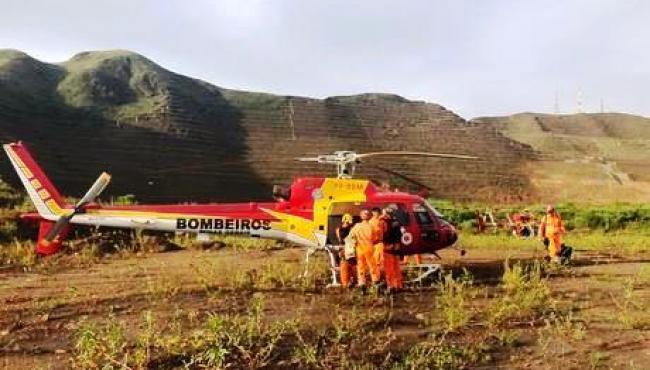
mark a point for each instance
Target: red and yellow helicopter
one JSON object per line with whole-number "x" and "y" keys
{"x": 307, "y": 213}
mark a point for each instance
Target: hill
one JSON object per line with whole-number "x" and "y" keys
{"x": 585, "y": 157}
{"x": 168, "y": 137}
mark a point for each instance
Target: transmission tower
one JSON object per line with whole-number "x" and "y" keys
{"x": 579, "y": 101}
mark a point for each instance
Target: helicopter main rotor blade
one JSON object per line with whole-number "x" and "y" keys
{"x": 422, "y": 154}
{"x": 401, "y": 176}
{"x": 307, "y": 159}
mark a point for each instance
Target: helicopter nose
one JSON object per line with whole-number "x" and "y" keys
{"x": 453, "y": 236}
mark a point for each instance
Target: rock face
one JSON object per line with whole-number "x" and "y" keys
{"x": 167, "y": 137}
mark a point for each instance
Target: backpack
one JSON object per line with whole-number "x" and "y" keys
{"x": 350, "y": 247}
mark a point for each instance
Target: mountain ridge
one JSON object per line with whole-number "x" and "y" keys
{"x": 168, "y": 137}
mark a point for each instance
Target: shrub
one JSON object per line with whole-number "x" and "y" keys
{"x": 525, "y": 294}
{"x": 453, "y": 300}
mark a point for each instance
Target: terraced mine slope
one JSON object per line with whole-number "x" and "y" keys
{"x": 584, "y": 157}
{"x": 167, "y": 137}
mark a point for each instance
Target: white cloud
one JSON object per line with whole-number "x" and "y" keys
{"x": 476, "y": 57}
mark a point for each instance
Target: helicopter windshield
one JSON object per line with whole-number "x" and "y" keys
{"x": 433, "y": 210}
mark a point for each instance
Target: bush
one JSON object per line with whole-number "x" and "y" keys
{"x": 525, "y": 294}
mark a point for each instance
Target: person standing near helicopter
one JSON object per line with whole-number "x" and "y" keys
{"x": 363, "y": 234}
{"x": 378, "y": 224}
{"x": 392, "y": 237}
{"x": 347, "y": 253}
{"x": 551, "y": 229}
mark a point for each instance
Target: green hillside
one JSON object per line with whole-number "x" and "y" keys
{"x": 168, "y": 137}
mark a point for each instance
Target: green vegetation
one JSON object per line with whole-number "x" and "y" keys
{"x": 359, "y": 339}
{"x": 576, "y": 216}
{"x": 526, "y": 294}
{"x": 453, "y": 302}
{"x": 630, "y": 241}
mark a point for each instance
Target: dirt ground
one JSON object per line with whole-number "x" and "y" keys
{"x": 40, "y": 311}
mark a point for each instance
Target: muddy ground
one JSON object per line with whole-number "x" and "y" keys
{"x": 39, "y": 312}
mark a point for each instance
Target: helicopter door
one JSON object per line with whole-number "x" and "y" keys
{"x": 335, "y": 214}
{"x": 338, "y": 209}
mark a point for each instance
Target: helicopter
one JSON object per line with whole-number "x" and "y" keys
{"x": 306, "y": 213}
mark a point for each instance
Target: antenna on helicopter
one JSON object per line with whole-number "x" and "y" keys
{"x": 346, "y": 161}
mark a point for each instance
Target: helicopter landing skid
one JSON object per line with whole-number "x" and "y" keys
{"x": 427, "y": 272}
{"x": 331, "y": 251}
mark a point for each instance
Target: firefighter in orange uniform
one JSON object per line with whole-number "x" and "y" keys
{"x": 392, "y": 243}
{"x": 551, "y": 229}
{"x": 363, "y": 235}
{"x": 378, "y": 224}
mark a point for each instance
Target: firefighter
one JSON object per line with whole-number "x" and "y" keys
{"x": 347, "y": 254}
{"x": 363, "y": 236}
{"x": 378, "y": 225}
{"x": 551, "y": 229}
{"x": 392, "y": 242}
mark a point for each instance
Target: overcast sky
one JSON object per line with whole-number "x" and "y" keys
{"x": 474, "y": 57}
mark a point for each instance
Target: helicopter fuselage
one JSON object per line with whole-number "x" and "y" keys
{"x": 307, "y": 215}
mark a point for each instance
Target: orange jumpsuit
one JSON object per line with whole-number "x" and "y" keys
{"x": 418, "y": 259}
{"x": 391, "y": 235}
{"x": 347, "y": 272}
{"x": 552, "y": 227}
{"x": 393, "y": 270}
{"x": 363, "y": 234}
{"x": 378, "y": 230}
{"x": 347, "y": 268}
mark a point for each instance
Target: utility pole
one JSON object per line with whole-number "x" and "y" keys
{"x": 579, "y": 101}
{"x": 291, "y": 123}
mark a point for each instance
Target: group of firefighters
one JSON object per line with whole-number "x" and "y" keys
{"x": 550, "y": 231}
{"x": 371, "y": 246}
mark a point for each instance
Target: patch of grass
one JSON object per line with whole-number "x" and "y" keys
{"x": 18, "y": 253}
{"x": 438, "y": 354}
{"x": 453, "y": 300}
{"x": 632, "y": 308}
{"x": 502, "y": 241}
{"x": 559, "y": 331}
{"x": 100, "y": 347}
{"x": 597, "y": 360}
{"x": 244, "y": 244}
{"x": 526, "y": 294}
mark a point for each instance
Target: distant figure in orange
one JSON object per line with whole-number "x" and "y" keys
{"x": 480, "y": 222}
{"x": 363, "y": 236}
{"x": 551, "y": 229}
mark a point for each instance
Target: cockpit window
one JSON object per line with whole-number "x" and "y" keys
{"x": 422, "y": 214}
{"x": 433, "y": 210}
{"x": 400, "y": 213}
